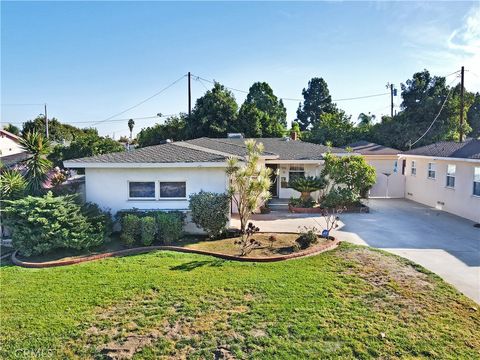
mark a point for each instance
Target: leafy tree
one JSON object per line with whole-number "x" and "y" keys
{"x": 335, "y": 128}
{"x": 56, "y": 130}
{"x": 173, "y": 129}
{"x": 262, "y": 114}
{"x": 131, "y": 124}
{"x": 37, "y": 163}
{"x": 12, "y": 129}
{"x": 317, "y": 101}
{"x": 214, "y": 115}
{"x": 366, "y": 120}
{"x": 249, "y": 183}
{"x": 473, "y": 116}
{"x": 296, "y": 128}
{"x": 83, "y": 146}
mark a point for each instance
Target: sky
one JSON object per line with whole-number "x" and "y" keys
{"x": 91, "y": 61}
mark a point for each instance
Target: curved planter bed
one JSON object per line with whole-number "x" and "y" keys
{"x": 318, "y": 210}
{"x": 141, "y": 250}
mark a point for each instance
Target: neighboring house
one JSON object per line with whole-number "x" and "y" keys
{"x": 390, "y": 182}
{"x": 164, "y": 176}
{"x": 11, "y": 152}
{"x": 445, "y": 175}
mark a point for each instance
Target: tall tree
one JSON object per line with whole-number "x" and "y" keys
{"x": 262, "y": 114}
{"x": 473, "y": 116}
{"x": 317, "y": 101}
{"x": 335, "y": 128}
{"x": 57, "y": 130}
{"x": 214, "y": 114}
{"x": 131, "y": 124}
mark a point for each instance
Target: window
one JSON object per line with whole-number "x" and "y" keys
{"x": 173, "y": 189}
{"x": 141, "y": 190}
{"x": 451, "y": 175}
{"x": 413, "y": 168}
{"x": 296, "y": 171}
{"x": 476, "y": 181}
{"x": 431, "y": 170}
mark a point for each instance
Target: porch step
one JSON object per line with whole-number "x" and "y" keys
{"x": 278, "y": 204}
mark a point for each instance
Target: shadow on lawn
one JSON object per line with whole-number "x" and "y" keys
{"x": 192, "y": 265}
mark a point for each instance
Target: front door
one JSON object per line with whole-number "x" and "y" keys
{"x": 274, "y": 179}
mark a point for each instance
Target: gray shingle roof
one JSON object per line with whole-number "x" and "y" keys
{"x": 164, "y": 153}
{"x": 469, "y": 149}
{"x": 368, "y": 148}
{"x": 285, "y": 148}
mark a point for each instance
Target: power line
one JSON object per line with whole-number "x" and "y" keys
{"x": 23, "y": 104}
{"x": 436, "y": 117}
{"x": 143, "y": 101}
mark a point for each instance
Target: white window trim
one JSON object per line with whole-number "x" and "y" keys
{"x": 141, "y": 198}
{"x": 413, "y": 166}
{"x": 452, "y": 176}
{"x": 172, "y": 198}
{"x": 433, "y": 169}
{"x": 473, "y": 183}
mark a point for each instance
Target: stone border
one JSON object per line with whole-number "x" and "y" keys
{"x": 141, "y": 250}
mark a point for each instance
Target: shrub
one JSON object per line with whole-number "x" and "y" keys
{"x": 101, "y": 220}
{"x": 340, "y": 197}
{"x": 301, "y": 203}
{"x": 169, "y": 226}
{"x": 148, "y": 230}
{"x": 307, "y": 238}
{"x": 130, "y": 229}
{"x": 210, "y": 212}
{"x": 12, "y": 185}
{"x": 42, "y": 224}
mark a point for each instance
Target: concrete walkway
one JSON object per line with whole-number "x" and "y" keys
{"x": 445, "y": 244}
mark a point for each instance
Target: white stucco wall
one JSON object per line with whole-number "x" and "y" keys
{"x": 385, "y": 164}
{"x": 433, "y": 192}
{"x": 108, "y": 187}
{"x": 287, "y": 193}
{"x": 9, "y": 146}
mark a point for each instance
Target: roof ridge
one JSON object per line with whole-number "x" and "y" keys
{"x": 204, "y": 149}
{"x": 240, "y": 146}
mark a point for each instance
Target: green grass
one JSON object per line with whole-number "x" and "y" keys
{"x": 351, "y": 302}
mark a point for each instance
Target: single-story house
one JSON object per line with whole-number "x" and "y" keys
{"x": 11, "y": 152}
{"x": 164, "y": 176}
{"x": 445, "y": 175}
{"x": 390, "y": 182}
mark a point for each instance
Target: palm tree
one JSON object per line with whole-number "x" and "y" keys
{"x": 37, "y": 164}
{"x": 131, "y": 124}
{"x": 307, "y": 185}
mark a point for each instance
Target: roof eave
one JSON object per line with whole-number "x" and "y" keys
{"x": 113, "y": 165}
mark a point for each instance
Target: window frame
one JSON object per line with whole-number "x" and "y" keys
{"x": 476, "y": 181}
{"x": 295, "y": 171}
{"x": 450, "y": 176}
{"x": 160, "y": 197}
{"x": 432, "y": 168}
{"x": 413, "y": 168}
{"x": 142, "y": 198}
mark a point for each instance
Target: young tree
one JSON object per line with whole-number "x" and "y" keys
{"x": 262, "y": 114}
{"x": 131, "y": 124}
{"x": 214, "y": 115}
{"x": 317, "y": 101}
{"x": 37, "y": 164}
{"x": 334, "y": 127}
{"x": 249, "y": 182}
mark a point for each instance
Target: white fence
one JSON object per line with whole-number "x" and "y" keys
{"x": 391, "y": 186}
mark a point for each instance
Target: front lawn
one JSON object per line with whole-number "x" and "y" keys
{"x": 352, "y": 302}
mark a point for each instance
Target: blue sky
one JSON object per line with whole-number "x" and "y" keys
{"x": 91, "y": 60}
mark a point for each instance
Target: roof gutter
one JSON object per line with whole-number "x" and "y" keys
{"x": 439, "y": 158}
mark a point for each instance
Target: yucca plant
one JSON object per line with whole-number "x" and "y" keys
{"x": 37, "y": 164}
{"x": 306, "y": 185}
{"x": 12, "y": 185}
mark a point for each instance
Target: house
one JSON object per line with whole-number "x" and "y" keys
{"x": 11, "y": 152}
{"x": 390, "y": 182}
{"x": 445, "y": 175}
{"x": 163, "y": 176}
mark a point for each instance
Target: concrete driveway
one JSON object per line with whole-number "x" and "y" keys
{"x": 445, "y": 244}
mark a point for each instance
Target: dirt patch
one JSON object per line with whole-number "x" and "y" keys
{"x": 396, "y": 280}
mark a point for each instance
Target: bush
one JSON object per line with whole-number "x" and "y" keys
{"x": 339, "y": 197}
{"x": 42, "y": 224}
{"x": 210, "y": 212}
{"x": 302, "y": 203}
{"x": 307, "y": 238}
{"x": 130, "y": 229}
{"x": 101, "y": 220}
{"x": 148, "y": 230}
{"x": 169, "y": 226}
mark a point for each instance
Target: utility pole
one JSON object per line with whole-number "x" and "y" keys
{"x": 462, "y": 84}
{"x": 189, "y": 95}
{"x": 393, "y": 92}
{"x": 46, "y": 121}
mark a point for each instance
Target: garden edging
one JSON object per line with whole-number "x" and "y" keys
{"x": 140, "y": 250}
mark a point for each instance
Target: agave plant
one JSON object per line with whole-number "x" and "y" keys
{"x": 307, "y": 185}
{"x": 12, "y": 185}
{"x": 37, "y": 164}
